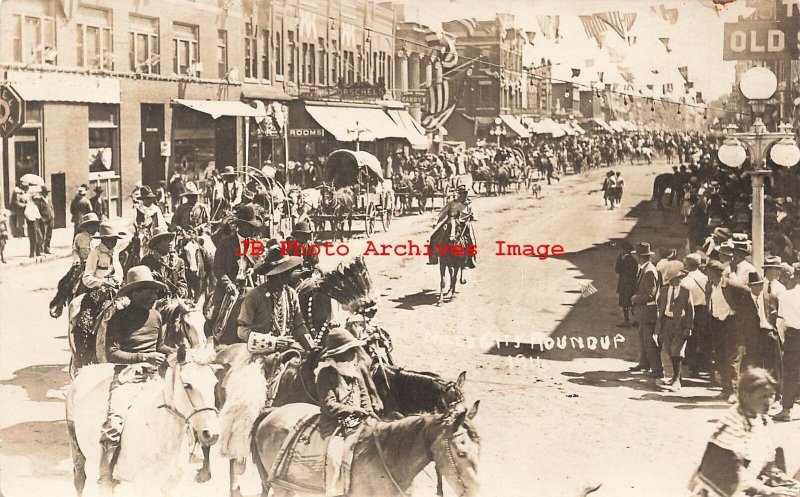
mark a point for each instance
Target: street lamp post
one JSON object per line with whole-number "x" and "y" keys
{"x": 357, "y": 130}
{"x": 758, "y": 84}
{"x": 498, "y": 130}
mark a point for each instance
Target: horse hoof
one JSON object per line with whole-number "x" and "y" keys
{"x": 202, "y": 476}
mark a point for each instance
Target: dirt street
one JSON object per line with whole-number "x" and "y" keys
{"x": 550, "y": 419}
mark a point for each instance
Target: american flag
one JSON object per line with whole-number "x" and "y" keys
{"x": 445, "y": 45}
{"x": 594, "y": 28}
{"x": 620, "y": 23}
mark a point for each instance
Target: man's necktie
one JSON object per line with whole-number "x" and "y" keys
{"x": 769, "y": 287}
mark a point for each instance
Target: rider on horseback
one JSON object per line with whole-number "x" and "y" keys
{"x": 135, "y": 336}
{"x": 148, "y": 215}
{"x": 344, "y": 403}
{"x": 190, "y": 214}
{"x": 166, "y": 266}
{"x": 298, "y": 244}
{"x": 458, "y": 208}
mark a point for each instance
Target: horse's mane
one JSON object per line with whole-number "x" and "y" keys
{"x": 424, "y": 390}
{"x": 396, "y": 437}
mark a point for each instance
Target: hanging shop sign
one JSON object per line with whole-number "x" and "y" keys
{"x": 306, "y": 132}
{"x": 12, "y": 111}
{"x": 415, "y": 99}
{"x": 761, "y": 40}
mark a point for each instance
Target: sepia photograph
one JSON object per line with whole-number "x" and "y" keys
{"x": 401, "y": 248}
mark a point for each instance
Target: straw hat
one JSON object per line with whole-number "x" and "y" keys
{"x": 90, "y": 217}
{"x": 161, "y": 234}
{"x": 139, "y": 278}
{"x": 672, "y": 270}
{"x": 107, "y": 230}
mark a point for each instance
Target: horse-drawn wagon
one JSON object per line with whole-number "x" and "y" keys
{"x": 353, "y": 190}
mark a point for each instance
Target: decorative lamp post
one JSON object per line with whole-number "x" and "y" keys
{"x": 757, "y": 85}
{"x": 498, "y": 130}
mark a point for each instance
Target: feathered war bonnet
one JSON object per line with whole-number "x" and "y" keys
{"x": 351, "y": 285}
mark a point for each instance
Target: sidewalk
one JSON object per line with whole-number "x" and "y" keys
{"x": 18, "y": 249}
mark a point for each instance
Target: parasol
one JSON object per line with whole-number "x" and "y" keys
{"x": 32, "y": 179}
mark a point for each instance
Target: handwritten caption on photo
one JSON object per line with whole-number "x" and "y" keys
{"x": 405, "y": 249}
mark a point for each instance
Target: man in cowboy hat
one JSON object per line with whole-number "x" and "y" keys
{"x": 675, "y": 320}
{"x": 298, "y": 243}
{"x": 230, "y": 188}
{"x": 344, "y": 403}
{"x": 740, "y": 266}
{"x": 165, "y": 265}
{"x": 458, "y": 208}
{"x": 98, "y": 204}
{"x": 148, "y": 215}
{"x": 646, "y": 311}
{"x": 135, "y": 335}
{"x": 79, "y": 207}
{"x": 231, "y": 270}
{"x": 190, "y": 214}
{"x": 82, "y": 244}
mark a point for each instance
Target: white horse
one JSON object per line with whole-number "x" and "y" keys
{"x": 155, "y": 435}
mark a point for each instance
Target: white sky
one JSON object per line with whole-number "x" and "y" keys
{"x": 696, "y": 39}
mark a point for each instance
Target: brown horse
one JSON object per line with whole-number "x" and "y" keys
{"x": 335, "y": 205}
{"x": 388, "y": 455}
{"x": 453, "y": 257}
{"x": 424, "y": 186}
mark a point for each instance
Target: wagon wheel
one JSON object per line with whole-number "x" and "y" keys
{"x": 386, "y": 219}
{"x": 476, "y": 187}
{"x": 369, "y": 220}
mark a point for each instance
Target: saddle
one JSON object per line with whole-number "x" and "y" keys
{"x": 300, "y": 463}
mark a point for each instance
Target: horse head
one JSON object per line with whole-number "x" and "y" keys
{"x": 456, "y": 450}
{"x": 453, "y": 398}
{"x": 190, "y": 381}
{"x": 185, "y": 324}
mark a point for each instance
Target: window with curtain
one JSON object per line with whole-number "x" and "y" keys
{"x": 185, "y": 49}
{"x": 250, "y": 51}
{"x": 95, "y": 41}
{"x": 143, "y": 44}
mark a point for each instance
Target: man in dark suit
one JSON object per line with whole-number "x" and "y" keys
{"x": 733, "y": 321}
{"x": 232, "y": 270}
{"x": 47, "y": 221}
{"x": 645, "y": 307}
{"x": 766, "y": 348}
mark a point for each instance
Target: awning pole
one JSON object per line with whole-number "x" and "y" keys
{"x": 246, "y": 142}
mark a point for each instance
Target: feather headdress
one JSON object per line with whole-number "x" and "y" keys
{"x": 351, "y": 285}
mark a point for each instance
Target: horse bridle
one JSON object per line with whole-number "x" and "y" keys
{"x": 173, "y": 410}
{"x": 450, "y": 459}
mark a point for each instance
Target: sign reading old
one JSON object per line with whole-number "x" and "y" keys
{"x": 12, "y": 111}
{"x": 761, "y": 40}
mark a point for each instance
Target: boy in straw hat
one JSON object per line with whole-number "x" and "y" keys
{"x": 135, "y": 335}
{"x": 344, "y": 403}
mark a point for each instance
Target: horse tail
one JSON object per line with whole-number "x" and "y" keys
{"x": 262, "y": 471}
{"x": 78, "y": 457}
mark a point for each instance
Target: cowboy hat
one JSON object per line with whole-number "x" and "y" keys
{"x": 285, "y": 263}
{"x": 722, "y": 232}
{"x": 672, "y": 270}
{"x": 158, "y": 236}
{"x": 146, "y": 192}
{"x": 139, "y": 278}
{"x": 772, "y": 261}
{"x": 81, "y": 190}
{"x": 228, "y": 171}
{"x": 87, "y": 218}
{"x": 301, "y": 227}
{"x": 338, "y": 341}
{"x": 98, "y": 189}
{"x": 106, "y": 230}
{"x": 462, "y": 189}
{"x": 643, "y": 248}
{"x": 247, "y": 215}
{"x": 191, "y": 189}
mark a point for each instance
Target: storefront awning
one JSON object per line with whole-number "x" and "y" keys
{"x": 220, "y": 108}
{"x": 415, "y": 134}
{"x": 602, "y": 124}
{"x": 57, "y": 87}
{"x": 577, "y": 128}
{"x": 616, "y": 126}
{"x": 348, "y": 124}
{"x": 567, "y": 129}
{"x": 548, "y": 127}
{"x": 515, "y": 125}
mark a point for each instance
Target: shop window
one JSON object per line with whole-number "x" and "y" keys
{"x": 33, "y": 113}
{"x": 350, "y": 63}
{"x": 103, "y": 138}
{"x": 185, "y": 49}
{"x": 34, "y": 39}
{"x": 95, "y": 39}
{"x": 222, "y": 54}
{"x": 266, "y": 72}
{"x": 27, "y": 146}
{"x": 250, "y": 51}
{"x": 144, "y": 46}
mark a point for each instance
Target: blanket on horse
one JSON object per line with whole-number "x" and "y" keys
{"x": 300, "y": 464}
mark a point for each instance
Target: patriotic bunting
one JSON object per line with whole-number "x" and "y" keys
{"x": 576, "y": 72}
{"x": 549, "y": 26}
{"x": 593, "y": 26}
{"x": 684, "y": 72}
{"x": 662, "y": 12}
{"x": 666, "y": 42}
{"x": 620, "y": 23}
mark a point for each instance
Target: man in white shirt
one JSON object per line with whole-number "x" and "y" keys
{"x": 772, "y": 272}
{"x": 699, "y": 346}
{"x": 740, "y": 266}
{"x": 788, "y": 325}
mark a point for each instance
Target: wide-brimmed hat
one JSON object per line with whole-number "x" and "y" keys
{"x": 643, "y": 248}
{"x": 81, "y": 190}
{"x": 462, "y": 189}
{"x": 190, "y": 189}
{"x": 98, "y": 189}
{"x": 138, "y": 278}
{"x": 754, "y": 278}
{"x": 301, "y": 227}
{"x": 338, "y": 341}
{"x": 772, "y": 261}
{"x": 158, "y": 236}
{"x": 87, "y": 218}
{"x": 146, "y": 192}
{"x": 693, "y": 259}
{"x": 672, "y": 270}
{"x": 722, "y": 233}
{"x": 229, "y": 171}
{"x": 285, "y": 263}
{"x": 106, "y": 230}
{"x": 247, "y": 215}
{"x": 726, "y": 248}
